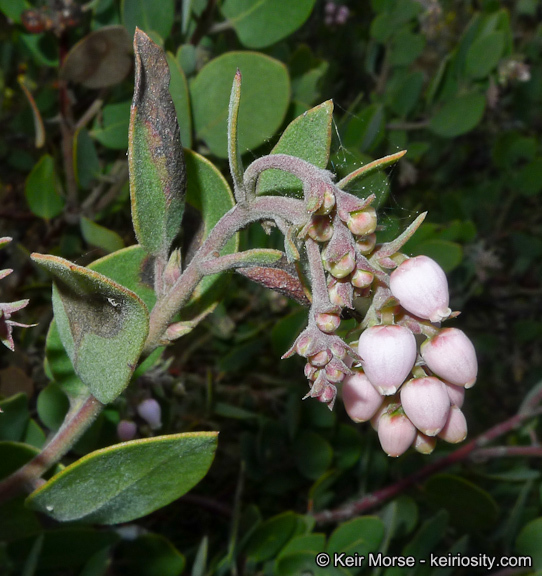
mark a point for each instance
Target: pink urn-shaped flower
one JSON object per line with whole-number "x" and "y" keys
{"x": 451, "y": 356}
{"x": 388, "y": 354}
{"x": 426, "y": 403}
{"x": 455, "y": 429}
{"x": 360, "y": 397}
{"x": 396, "y": 433}
{"x": 421, "y": 287}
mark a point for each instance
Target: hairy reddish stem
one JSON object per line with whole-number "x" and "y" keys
{"x": 264, "y": 208}
{"x": 74, "y": 426}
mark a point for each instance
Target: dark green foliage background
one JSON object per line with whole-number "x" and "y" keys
{"x": 456, "y": 83}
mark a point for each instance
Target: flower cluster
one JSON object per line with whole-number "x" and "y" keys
{"x": 411, "y": 411}
{"x": 411, "y": 393}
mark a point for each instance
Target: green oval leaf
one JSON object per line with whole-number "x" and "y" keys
{"x": 470, "y": 507}
{"x": 127, "y": 481}
{"x": 144, "y": 15}
{"x": 112, "y": 129}
{"x": 307, "y": 137}
{"x": 155, "y": 157}
{"x": 263, "y": 104}
{"x": 458, "y": 116}
{"x": 529, "y": 542}
{"x": 270, "y": 536}
{"x": 484, "y": 54}
{"x": 102, "y": 325}
{"x": 100, "y": 236}
{"x": 52, "y": 406}
{"x": 42, "y": 189}
{"x": 313, "y": 454}
{"x": 361, "y": 535}
{"x": 262, "y": 23}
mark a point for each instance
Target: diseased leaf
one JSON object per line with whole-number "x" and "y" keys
{"x": 308, "y": 137}
{"x": 157, "y": 170}
{"x": 102, "y": 58}
{"x": 127, "y": 481}
{"x": 102, "y": 325}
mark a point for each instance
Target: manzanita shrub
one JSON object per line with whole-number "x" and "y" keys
{"x": 373, "y": 334}
{"x": 331, "y": 260}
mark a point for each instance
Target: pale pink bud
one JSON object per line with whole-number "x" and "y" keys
{"x": 310, "y": 371}
{"x": 367, "y": 244}
{"x": 427, "y": 404}
{"x": 388, "y": 353}
{"x": 151, "y": 412}
{"x": 455, "y": 429}
{"x": 362, "y": 278}
{"x": 328, "y": 323}
{"x": 321, "y": 358}
{"x": 342, "y": 15}
{"x": 360, "y": 397}
{"x": 424, "y": 444}
{"x": 341, "y": 293}
{"x": 456, "y": 394}
{"x": 451, "y": 355}
{"x": 421, "y": 287}
{"x": 320, "y": 229}
{"x": 363, "y": 222}
{"x": 396, "y": 433}
{"x": 328, "y": 203}
{"x": 342, "y": 267}
{"x": 126, "y": 430}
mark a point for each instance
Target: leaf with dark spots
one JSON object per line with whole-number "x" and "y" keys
{"x": 102, "y": 325}
{"x": 155, "y": 157}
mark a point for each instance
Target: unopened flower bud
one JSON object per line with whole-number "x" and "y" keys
{"x": 336, "y": 370}
{"x": 126, "y": 430}
{"x": 424, "y": 444}
{"x": 396, "y": 433}
{"x": 328, "y": 323}
{"x": 426, "y": 403}
{"x": 328, "y": 396}
{"x": 320, "y": 228}
{"x": 362, "y": 278}
{"x": 421, "y": 287}
{"x": 388, "y": 354}
{"x": 363, "y": 222}
{"x": 341, "y": 293}
{"x": 455, "y": 429}
{"x": 321, "y": 358}
{"x": 366, "y": 245}
{"x": 451, "y": 355}
{"x": 151, "y": 412}
{"x": 173, "y": 271}
{"x": 310, "y": 371}
{"x": 360, "y": 397}
{"x": 456, "y": 394}
{"x": 342, "y": 267}
{"x": 328, "y": 203}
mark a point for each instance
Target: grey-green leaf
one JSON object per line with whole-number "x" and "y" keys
{"x": 307, "y": 137}
{"x": 127, "y": 481}
{"x": 155, "y": 157}
{"x": 102, "y": 325}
